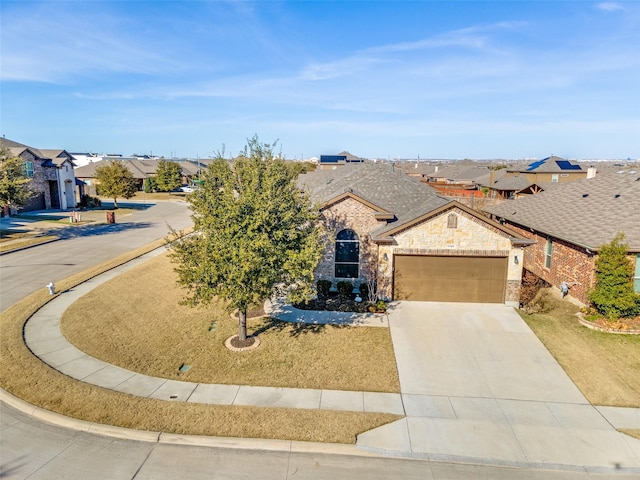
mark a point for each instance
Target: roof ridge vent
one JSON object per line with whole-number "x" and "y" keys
{"x": 585, "y": 195}
{"x": 617, "y": 195}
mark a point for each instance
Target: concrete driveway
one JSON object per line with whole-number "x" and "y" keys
{"x": 477, "y": 384}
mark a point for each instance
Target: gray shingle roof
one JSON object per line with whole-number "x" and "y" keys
{"x": 140, "y": 169}
{"x": 512, "y": 183}
{"x": 379, "y": 184}
{"x": 461, "y": 172}
{"x": 50, "y": 157}
{"x": 588, "y": 212}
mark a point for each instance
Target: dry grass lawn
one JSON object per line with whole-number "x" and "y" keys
{"x": 604, "y": 366}
{"x": 26, "y": 377}
{"x": 24, "y": 242}
{"x": 135, "y": 321}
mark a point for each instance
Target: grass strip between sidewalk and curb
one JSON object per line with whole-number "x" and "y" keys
{"x": 27, "y": 242}
{"x": 28, "y": 378}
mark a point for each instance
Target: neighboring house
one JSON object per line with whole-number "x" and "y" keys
{"x": 417, "y": 169}
{"x": 51, "y": 173}
{"x": 141, "y": 169}
{"x": 461, "y": 180}
{"x": 569, "y": 224}
{"x": 333, "y": 161}
{"x": 535, "y": 176}
{"x": 420, "y": 245}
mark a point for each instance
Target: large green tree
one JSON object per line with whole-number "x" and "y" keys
{"x": 256, "y": 234}
{"x": 115, "y": 180}
{"x": 14, "y": 183}
{"x": 168, "y": 175}
{"x": 613, "y": 294}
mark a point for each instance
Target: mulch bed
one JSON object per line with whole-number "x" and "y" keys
{"x": 622, "y": 325}
{"x": 334, "y": 303}
{"x": 235, "y": 344}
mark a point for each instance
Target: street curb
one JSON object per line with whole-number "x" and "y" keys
{"x": 19, "y": 249}
{"x": 287, "y": 446}
{"x": 70, "y": 423}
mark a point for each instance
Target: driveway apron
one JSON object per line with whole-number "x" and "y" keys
{"x": 477, "y": 384}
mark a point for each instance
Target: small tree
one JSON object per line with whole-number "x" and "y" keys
{"x": 149, "y": 185}
{"x": 168, "y": 175}
{"x": 14, "y": 190}
{"x": 613, "y": 295}
{"x": 115, "y": 180}
{"x": 256, "y": 235}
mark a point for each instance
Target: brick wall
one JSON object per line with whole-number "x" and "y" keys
{"x": 352, "y": 214}
{"x": 569, "y": 263}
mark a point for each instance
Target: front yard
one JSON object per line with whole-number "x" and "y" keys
{"x": 135, "y": 322}
{"x": 39, "y": 384}
{"x": 604, "y": 366}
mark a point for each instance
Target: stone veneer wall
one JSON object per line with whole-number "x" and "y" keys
{"x": 471, "y": 237}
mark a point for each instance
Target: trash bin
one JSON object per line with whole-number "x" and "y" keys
{"x": 111, "y": 217}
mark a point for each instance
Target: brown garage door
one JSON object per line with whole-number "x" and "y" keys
{"x": 450, "y": 279}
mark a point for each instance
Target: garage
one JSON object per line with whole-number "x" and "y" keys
{"x": 450, "y": 278}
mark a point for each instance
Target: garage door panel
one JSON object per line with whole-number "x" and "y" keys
{"x": 450, "y": 279}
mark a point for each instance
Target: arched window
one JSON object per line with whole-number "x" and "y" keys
{"x": 347, "y": 254}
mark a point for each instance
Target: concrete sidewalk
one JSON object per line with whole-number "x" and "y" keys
{"x": 44, "y": 338}
{"x": 448, "y": 417}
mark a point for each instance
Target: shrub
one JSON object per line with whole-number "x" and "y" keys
{"x": 345, "y": 288}
{"x": 381, "y": 305}
{"x": 530, "y": 286}
{"x": 613, "y": 295}
{"x": 87, "y": 201}
{"x": 364, "y": 291}
{"x": 150, "y": 185}
{"x": 543, "y": 302}
{"x": 323, "y": 287}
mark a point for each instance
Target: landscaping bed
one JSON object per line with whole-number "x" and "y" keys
{"x": 335, "y": 302}
{"x": 629, "y": 326}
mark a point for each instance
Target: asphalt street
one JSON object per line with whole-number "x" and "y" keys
{"x": 24, "y": 272}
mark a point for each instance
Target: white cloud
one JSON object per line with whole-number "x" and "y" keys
{"x": 609, "y": 6}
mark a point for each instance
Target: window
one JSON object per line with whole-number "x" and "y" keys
{"x": 27, "y": 169}
{"x": 347, "y": 254}
{"x": 636, "y": 276}
{"x": 548, "y": 251}
{"x": 554, "y": 177}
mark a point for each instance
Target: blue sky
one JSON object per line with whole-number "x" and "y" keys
{"x": 452, "y": 79}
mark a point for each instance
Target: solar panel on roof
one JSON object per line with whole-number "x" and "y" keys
{"x": 567, "y": 165}
{"x": 534, "y": 165}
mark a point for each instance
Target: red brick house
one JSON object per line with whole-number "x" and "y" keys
{"x": 571, "y": 222}
{"x": 418, "y": 244}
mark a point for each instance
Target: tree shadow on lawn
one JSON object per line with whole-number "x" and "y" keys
{"x": 295, "y": 329}
{"x": 138, "y": 205}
